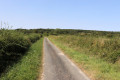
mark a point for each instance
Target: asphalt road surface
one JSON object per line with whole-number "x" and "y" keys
{"x": 57, "y": 66}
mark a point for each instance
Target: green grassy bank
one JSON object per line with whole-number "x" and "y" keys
{"x": 29, "y": 66}
{"x": 94, "y": 66}
{"x": 13, "y": 45}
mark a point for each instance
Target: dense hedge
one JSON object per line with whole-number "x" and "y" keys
{"x": 13, "y": 45}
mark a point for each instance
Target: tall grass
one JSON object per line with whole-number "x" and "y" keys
{"x": 103, "y": 47}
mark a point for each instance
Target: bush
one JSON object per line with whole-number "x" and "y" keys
{"x": 13, "y": 45}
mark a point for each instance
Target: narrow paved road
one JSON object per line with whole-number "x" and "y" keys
{"x": 57, "y": 66}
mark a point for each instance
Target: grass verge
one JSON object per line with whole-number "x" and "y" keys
{"x": 29, "y": 66}
{"x": 95, "y": 68}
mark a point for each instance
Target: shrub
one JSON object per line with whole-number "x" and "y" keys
{"x": 13, "y": 45}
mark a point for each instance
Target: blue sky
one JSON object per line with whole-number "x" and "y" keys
{"x": 64, "y": 14}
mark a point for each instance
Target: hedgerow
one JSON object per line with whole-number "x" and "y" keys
{"x": 13, "y": 44}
